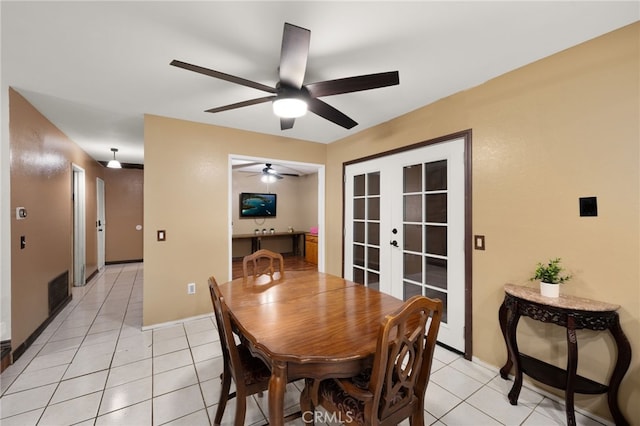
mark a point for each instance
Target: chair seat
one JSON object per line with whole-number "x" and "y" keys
{"x": 349, "y": 407}
{"x": 254, "y": 370}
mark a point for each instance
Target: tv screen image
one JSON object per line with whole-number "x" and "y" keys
{"x": 253, "y": 204}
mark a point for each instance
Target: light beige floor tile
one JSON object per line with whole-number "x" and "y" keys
{"x": 199, "y": 325}
{"x": 37, "y": 378}
{"x": 88, "y": 364}
{"x": 50, "y": 360}
{"x": 177, "y": 404}
{"x": 166, "y": 346}
{"x": 466, "y": 415}
{"x": 170, "y": 332}
{"x": 203, "y": 337}
{"x": 171, "y": 360}
{"x": 496, "y": 404}
{"x": 73, "y": 388}
{"x": 125, "y": 395}
{"x": 439, "y": 401}
{"x": 71, "y": 411}
{"x": 455, "y": 382}
{"x": 30, "y": 418}
{"x": 199, "y": 418}
{"x": 129, "y": 372}
{"x": 174, "y": 379}
{"x": 137, "y": 414}
{"x": 474, "y": 370}
{"x": 206, "y": 351}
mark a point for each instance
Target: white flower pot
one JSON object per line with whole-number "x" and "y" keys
{"x": 549, "y": 290}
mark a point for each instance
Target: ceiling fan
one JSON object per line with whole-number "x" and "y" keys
{"x": 268, "y": 173}
{"x": 291, "y": 98}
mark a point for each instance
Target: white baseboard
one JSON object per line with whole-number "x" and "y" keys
{"x": 176, "y": 322}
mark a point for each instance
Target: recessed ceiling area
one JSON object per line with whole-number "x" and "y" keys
{"x": 96, "y": 68}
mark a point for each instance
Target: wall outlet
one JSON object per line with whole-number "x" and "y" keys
{"x": 191, "y": 288}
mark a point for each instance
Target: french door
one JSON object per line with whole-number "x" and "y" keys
{"x": 405, "y": 228}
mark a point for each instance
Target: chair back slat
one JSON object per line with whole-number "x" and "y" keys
{"x": 403, "y": 357}
{"x": 262, "y": 262}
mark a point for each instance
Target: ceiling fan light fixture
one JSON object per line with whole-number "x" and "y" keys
{"x": 289, "y": 107}
{"x": 114, "y": 164}
{"x": 268, "y": 178}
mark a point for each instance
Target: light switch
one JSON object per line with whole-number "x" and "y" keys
{"x": 478, "y": 242}
{"x": 162, "y": 235}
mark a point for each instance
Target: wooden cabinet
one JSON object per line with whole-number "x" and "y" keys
{"x": 311, "y": 248}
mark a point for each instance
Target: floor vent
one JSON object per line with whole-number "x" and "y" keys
{"x": 58, "y": 292}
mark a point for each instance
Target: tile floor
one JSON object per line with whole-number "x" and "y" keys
{"x": 93, "y": 365}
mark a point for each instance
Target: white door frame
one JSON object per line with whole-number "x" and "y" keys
{"x": 466, "y": 136}
{"x": 79, "y": 225}
{"x": 101, "y": 229}
{"x": 321, "y": 202}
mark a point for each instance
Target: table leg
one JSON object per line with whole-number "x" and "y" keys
{"x": 622, "y": 365}
{"x": 514, "y": 354}
{"x": 502, "y": 319}
{"x": 572, "y": 367}
{"x": 277, "y": 385}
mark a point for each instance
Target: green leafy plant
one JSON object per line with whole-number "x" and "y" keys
{"x": 550, "y": 272}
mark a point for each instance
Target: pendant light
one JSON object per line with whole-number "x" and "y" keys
{"x": 114, "y": 164}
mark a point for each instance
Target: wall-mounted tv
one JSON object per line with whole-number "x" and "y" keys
{"x": 253, "y": 204}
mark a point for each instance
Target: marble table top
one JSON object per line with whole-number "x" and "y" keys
{"x": 564, "y": 302}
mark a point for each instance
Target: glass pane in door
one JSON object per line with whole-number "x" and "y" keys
{"x": 366, "y": 229}
{"x": 425, "y": 216}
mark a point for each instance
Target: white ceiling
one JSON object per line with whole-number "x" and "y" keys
{"x": 95, "y": 68}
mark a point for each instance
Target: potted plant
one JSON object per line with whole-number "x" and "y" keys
{"x": 550, "y": 276}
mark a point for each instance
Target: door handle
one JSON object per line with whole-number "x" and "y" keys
{"x": 394, "y": 243}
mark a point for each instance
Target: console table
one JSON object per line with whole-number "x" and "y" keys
{"x": 573, "y": 313}
{"x": 256, "y": 240}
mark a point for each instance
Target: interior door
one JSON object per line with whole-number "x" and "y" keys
{"x": 100, "y": 222}
{"x": 79, "y": 240}
{"x": 404, "y": 228}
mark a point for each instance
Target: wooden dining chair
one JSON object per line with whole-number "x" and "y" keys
{"x": 262, "y": 262}
{"x": 250, "y": 374}
{"x": 393, "y": 388}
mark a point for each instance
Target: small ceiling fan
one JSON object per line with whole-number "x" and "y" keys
{"x": 268, "y": 173}
{"x": 291, "y": 98}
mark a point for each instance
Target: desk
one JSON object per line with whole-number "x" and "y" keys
{"x": 307, "y": 324}
{"x": 573, "y": 313}
{"x": 256, "y": 240}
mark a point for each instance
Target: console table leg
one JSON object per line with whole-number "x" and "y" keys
{"x": 572, "y": 367}
{"x": 622, "y": 365}
{"x": 514, "y": 354}
{"x": 502, "y": 319}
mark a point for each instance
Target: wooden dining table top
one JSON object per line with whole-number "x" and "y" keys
{"x": 308, "y": 316}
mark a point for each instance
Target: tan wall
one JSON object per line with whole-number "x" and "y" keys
{"x": 41, "y": 159}
{"x": 124, "y": 209}
{"x": 186, "y": 187}
{"x": 543, "y": 136}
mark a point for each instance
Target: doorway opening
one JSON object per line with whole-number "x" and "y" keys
{"x": 299, "y": 188}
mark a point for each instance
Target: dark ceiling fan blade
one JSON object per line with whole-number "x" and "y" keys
{"x": 223, "y": 76}
{"x": 286, "y": 123}
{"x": 241, "y": 104}
{"x": 325, "y": 110}
{"x": 293, "y": 56}
{"x": 353, "y": 84}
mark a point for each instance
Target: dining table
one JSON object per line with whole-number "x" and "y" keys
{"x": 306, "y": 324}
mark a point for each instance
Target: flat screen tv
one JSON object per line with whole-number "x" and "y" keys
{"x": 253, "y": 204}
